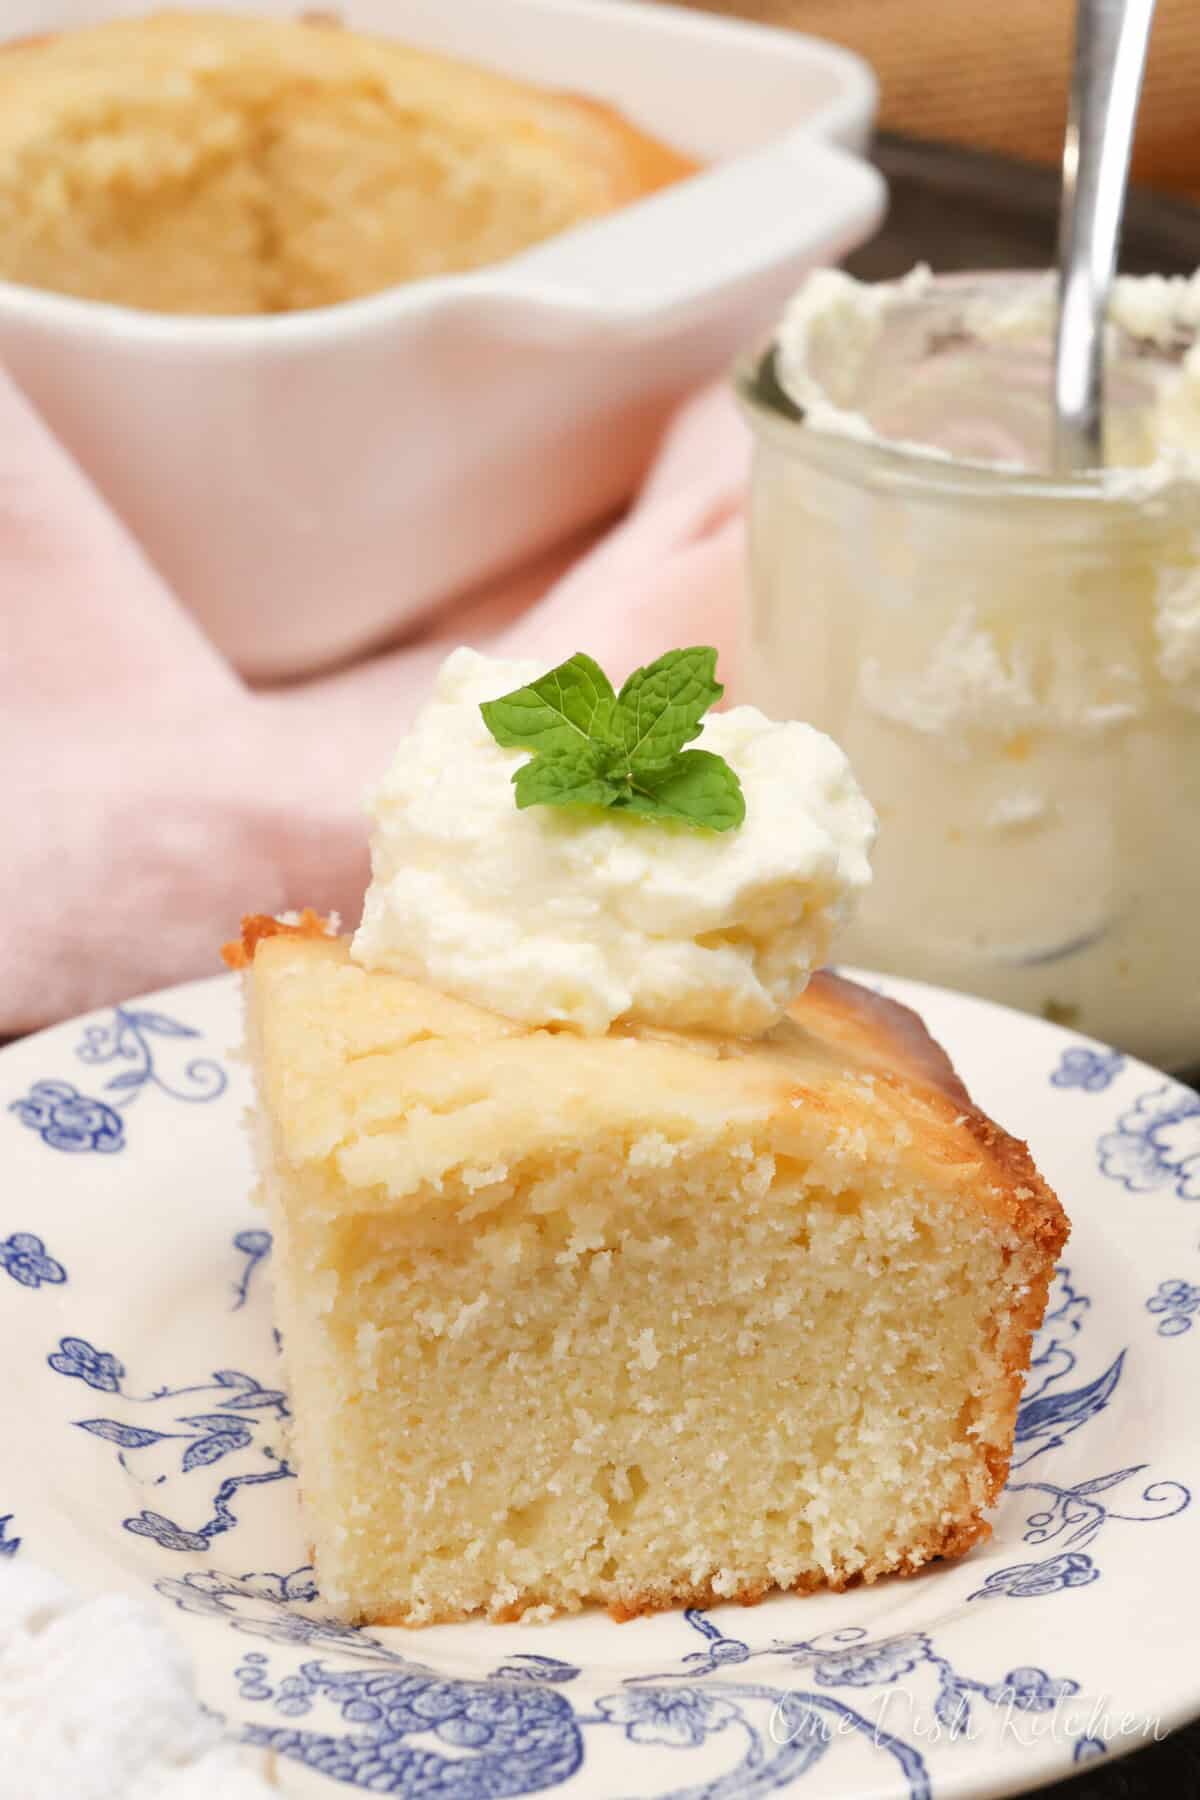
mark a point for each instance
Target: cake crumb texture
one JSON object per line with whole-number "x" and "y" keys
{"x": 641, "y": 1320}
{"x": 215, "y": 163}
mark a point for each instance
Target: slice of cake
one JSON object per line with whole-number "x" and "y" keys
{"x": 621, "y": 1258}
{"x": 637, "y": 1319}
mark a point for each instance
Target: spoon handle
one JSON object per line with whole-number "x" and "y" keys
{"x": 1110, "y": 57}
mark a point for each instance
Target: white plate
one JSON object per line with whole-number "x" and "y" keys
{"x": 141, "y": 1423}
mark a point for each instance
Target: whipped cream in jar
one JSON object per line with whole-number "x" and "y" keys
{"x": 1010, "y": 658}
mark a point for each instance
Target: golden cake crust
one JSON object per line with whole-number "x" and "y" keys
{"x": 238, "y": 952}
{"x": 846, "y": 1056}
{"x": 911, "y": 1060}
{"x": 955, "y": 1540}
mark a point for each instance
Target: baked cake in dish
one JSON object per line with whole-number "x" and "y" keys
{"x": 208, "y": 163}
{"x": 643, "y": 1318}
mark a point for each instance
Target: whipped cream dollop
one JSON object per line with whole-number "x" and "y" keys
{"x": 584, "y": 918}
{"x": 98, "y": 1702}
{"x": 961, "y": 368}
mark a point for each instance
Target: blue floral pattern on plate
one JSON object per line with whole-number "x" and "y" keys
{"x": 68, "y": 1120}
{"x": 65, "y": 1119}
{"x": 25, "y": 1258}
{"x": 127, "y": 1039}
{"x": 1087, "y": 1068}
{"x": 508, "y": 1727}
{"x": 76, "y": 1358}
{"x": 242, "y": 1407}
{"x": 1032, "y": 1581}
{"x": 255, "y": 1246}
{"x": 1176, "y": 1302}
{"x": 1156, "y": 1144}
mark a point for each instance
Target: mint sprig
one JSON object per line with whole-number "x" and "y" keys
{"x": 594, "y": 747}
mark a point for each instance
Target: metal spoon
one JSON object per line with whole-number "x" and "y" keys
{"x": 1110, "y": 57}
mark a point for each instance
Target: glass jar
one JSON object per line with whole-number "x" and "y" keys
{"x": 1012, "y": 663}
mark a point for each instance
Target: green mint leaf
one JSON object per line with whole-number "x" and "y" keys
{"x": 594, "y": 748}
{"x": 567, "y": 709}
{"x": 565, "y": 778}
{"x": 696, "y": 787}
{"x": 660, "y": 707}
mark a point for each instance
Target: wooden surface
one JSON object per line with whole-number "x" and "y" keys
{"x": 995, "y": 76}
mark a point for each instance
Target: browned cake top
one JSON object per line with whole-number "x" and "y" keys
{"x": 383, "y": 1074}
{"x": 896, "y": 1038}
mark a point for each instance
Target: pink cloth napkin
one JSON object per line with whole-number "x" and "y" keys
{"x": 151, "y": 797}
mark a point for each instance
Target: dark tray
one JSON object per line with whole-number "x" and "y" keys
{"x": 966, "y": 209}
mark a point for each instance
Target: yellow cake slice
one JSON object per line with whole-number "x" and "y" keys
{"x": 640, "y": 1319}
